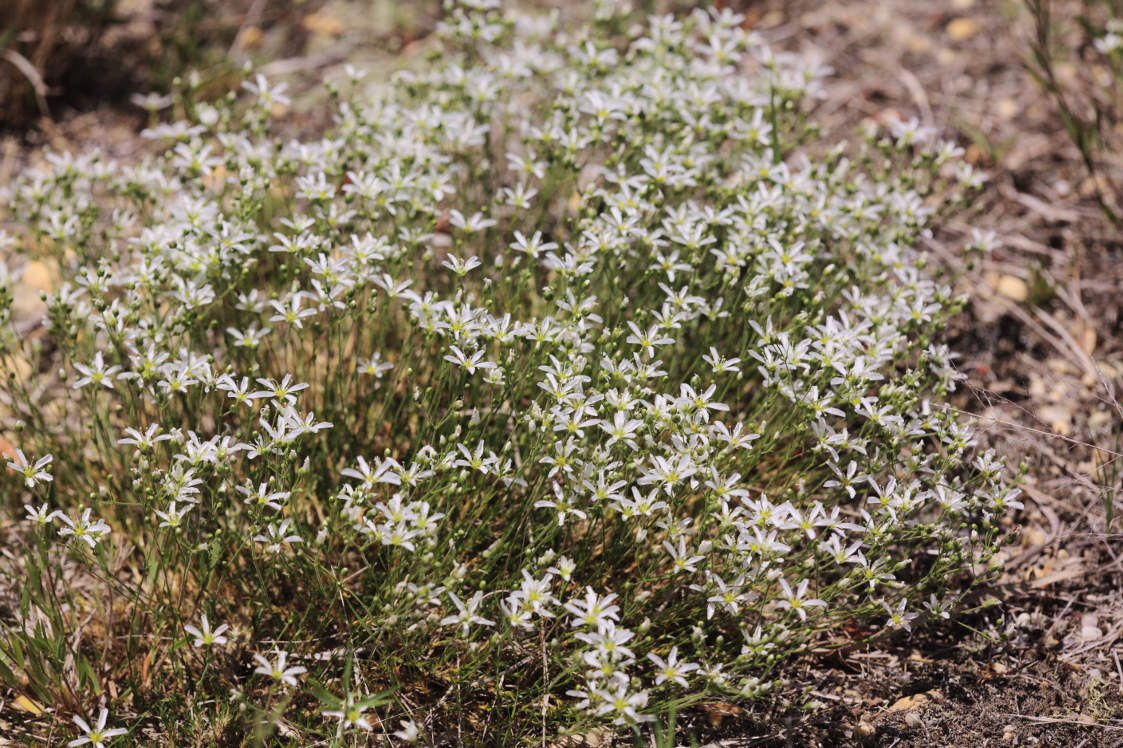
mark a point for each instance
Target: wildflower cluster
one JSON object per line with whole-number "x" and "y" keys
{"x": 559, "y": 369}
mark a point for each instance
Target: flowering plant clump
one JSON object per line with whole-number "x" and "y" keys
{"x": 558, "y": 385}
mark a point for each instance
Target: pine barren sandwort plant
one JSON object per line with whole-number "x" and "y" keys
{"x": 559, "y": 385}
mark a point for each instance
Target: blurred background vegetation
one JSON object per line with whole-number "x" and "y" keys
{"x": 83, "y": 52}
{"x": 80, "y": 54}
{"x": 1077, "y": 60}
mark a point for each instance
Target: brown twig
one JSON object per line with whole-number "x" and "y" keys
{"x": 1059, "y": 721}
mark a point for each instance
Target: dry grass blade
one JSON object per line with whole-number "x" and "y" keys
{"x": 28, "y": 70}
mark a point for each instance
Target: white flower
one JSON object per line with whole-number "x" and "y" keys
{"x": 700, "y": 402}
{"x": 148, "y": 439}
{"x": 671, "y": 669}
{"x": 1109, "y": 42}
{"x": 382, "y": 471}
{"x": 205, "y": 635}
{"x": 471, "y": 363}
{"x": 83, "y": 529}
{"x": 680, "y": 555}
{"x": 33, "y": 473}
{"x": 900, "y": 617}
{"x": 96, "y": 373}
{"x": 593, "y": 611}
{"x": 151, "y": 102}
{"x": 293, "y": 313}
{"x": 470, "y": 225}
{"x": 250, "y": 338}
{"x": 730, "y": 597}
{"x": 39, "y": 516}
{"x": 561, "y": 504}
{"x": 238, "y": 391}
{"x": 648, "y": 339}
{"x": 374, "y": 366}
{"x": 910, "y": 131}
{"x": 350, "y": 714}
{"x": 937, "y": 608}
{"x": 534, "y": 246}
{"x": 275, "y": 536}
{"x": 284, "y": 391}
{"x": 624, "y": 705}
{"x": 408, "y": 733}
{"x": 622, "y": 429}
{"x": 173, "y": 516}
{"x": 96, "y": 736}
{"x": 721, "y": 364}
{"x": 262, "y": 496}
{"x": 609, "y": 640}
{"x": 985, "y": 240}
{"x": 795, "y": 600}
{"x": 267, "y": 96}
{"x": 466, "y": 616}
{"x": 461, "y": 267}
{"x": 277, "y": 670}
{"x": 564, "y": 569}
